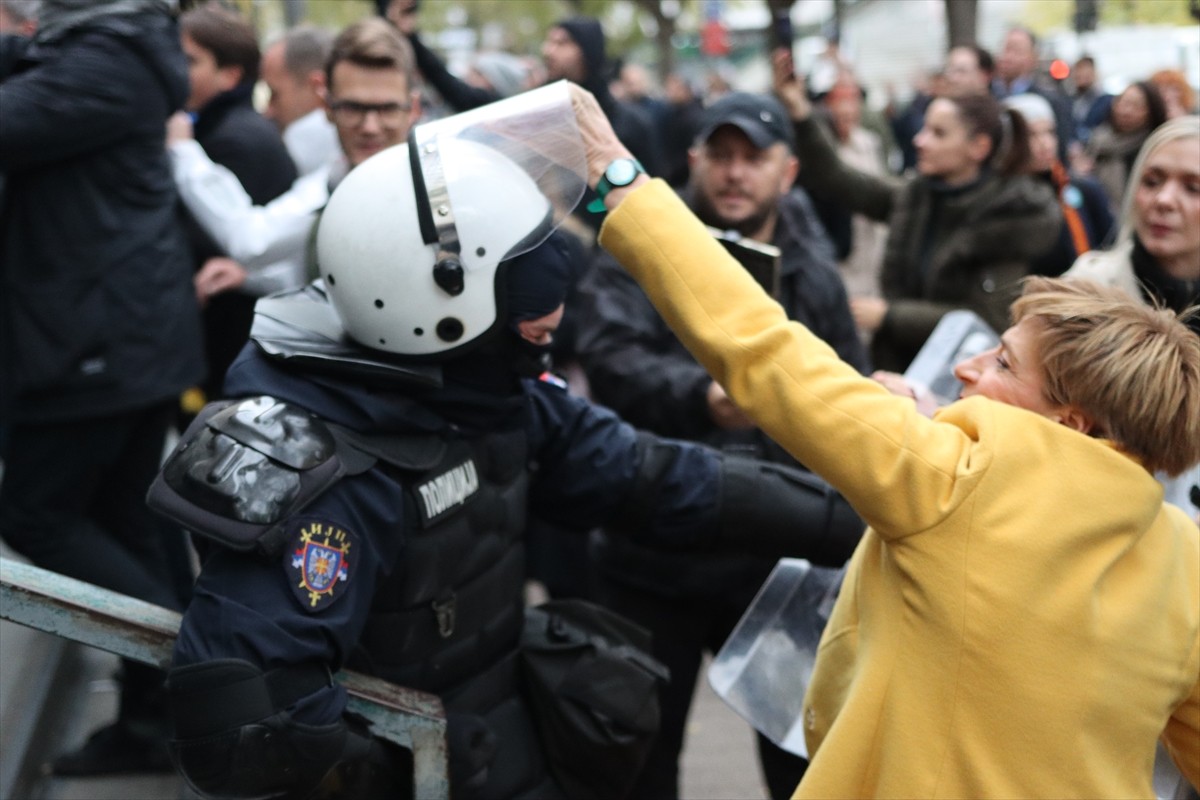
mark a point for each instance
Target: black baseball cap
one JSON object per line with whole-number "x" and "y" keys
{"x": 760, "y": 116}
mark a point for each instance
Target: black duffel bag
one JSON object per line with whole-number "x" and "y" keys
{"x": 593, "y": 687}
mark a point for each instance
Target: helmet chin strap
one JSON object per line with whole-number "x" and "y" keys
{"x": 435, "y": 213}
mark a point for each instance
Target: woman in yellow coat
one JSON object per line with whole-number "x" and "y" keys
{"x": 1022, "y": 617}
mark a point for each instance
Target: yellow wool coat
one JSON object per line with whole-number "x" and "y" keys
{"x": 1022, "y": 617}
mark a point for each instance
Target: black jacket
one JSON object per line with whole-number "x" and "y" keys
{"x": 98, "y": 310}
{"x": 1087, "y": 197}
{"x": 236, "y": 136}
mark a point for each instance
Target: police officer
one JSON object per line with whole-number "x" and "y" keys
{"x": 365, "y": 496}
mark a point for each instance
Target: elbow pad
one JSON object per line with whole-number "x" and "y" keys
{"x": 775, "y": 510}
{"x": 234, "y": 740}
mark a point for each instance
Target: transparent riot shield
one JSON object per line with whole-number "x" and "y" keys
{"x": 959, "y": 335}
{"x": 765, "y": 666}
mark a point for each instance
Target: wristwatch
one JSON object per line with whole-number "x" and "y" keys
{"x": 620, "y": 172}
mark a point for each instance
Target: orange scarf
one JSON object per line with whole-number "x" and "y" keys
{"x": 1060, "y": 179}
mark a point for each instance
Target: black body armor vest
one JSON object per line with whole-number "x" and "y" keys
{"x": 455, "y": 602}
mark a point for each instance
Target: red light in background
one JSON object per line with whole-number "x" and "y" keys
{"x": 1059, "y": 69}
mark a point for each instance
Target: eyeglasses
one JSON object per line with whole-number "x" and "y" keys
{"x": 352, "y": 114}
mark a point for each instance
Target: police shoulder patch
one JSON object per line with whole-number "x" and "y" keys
{"x": 319, "y": 562}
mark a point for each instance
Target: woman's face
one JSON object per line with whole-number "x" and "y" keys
{"x": 945, "y": 148}
{"x": 1010, "y": 372}
{"x": 1166, "y": 207}
{"x": 1043, "y": 145}
{"x": 1130, "y": 111}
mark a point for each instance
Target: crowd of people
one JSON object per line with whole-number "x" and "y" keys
{"x": 408, "y": 378}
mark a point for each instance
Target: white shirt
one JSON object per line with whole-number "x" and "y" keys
{"x": 312, "y": 141}
{"x": 269, "y": 241}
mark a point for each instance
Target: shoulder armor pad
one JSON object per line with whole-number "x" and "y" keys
{"x": 242, "y": 468}
{"x": 279, "y": 431}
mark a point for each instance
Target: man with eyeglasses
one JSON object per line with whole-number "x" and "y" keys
{"x": 371, "y": 101}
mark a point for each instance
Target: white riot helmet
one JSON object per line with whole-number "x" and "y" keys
{"x": 411, "y": 241}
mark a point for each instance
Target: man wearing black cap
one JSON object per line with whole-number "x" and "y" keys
{"x": 742, "y": 172}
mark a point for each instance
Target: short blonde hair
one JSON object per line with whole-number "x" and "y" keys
{"x": 1133, "y": 368}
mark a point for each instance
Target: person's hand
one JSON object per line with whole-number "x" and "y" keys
{"x": 894, "y": 382}
{"x": 1080, "y": 161}
{"x": 600, "y": 142}
{"x": 788, "y": 86}
{"x": 868, "y": 313}
{"x": 723, "y": 412}
{"x": 179, "y": 128}
{"x": 403, "y": 14}
{"x": 219, "y": 274}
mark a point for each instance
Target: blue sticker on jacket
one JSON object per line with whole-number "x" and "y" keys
{"x": 319, "y": 561}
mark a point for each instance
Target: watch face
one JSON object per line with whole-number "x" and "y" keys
{"x": 621, "y": 173}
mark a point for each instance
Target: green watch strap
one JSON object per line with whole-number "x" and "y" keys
{"x": 604, "y": 186}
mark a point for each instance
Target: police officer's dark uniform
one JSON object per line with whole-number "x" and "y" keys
{"x": 367, "y": 511}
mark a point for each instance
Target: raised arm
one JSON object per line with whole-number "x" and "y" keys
{"x": 458, "y": 94}
{"x": 821, "y": 169}
{"x": 872, "y": 446}
{"x": 252, "y": 235}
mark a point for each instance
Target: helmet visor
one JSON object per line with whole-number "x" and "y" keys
{"x": 534, "y": 131}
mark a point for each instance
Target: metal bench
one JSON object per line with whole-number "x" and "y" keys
{"x": 144, "y": 632}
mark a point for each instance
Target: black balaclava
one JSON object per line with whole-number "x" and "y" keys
{"x": 587, "y": 33}
{"x": 535, "y": 283}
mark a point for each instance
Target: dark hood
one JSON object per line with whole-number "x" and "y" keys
{"x": 151, "y": 30}
{"x": 215, "y": 110}
{"x": 57, "y": 18}
{"x": 147, "y": 25}
{"x": 587, "y": 33}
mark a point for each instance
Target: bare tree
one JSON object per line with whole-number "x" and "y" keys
{"x": 294, "y": 12}
{"x": 960, "y": 22}
{"x": 665, "y": 27}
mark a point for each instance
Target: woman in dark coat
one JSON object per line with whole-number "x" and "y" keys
{"x": 1114, "y": 143}
{"x": 963, "y": 231}
{"x": 1087, "y": 222}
